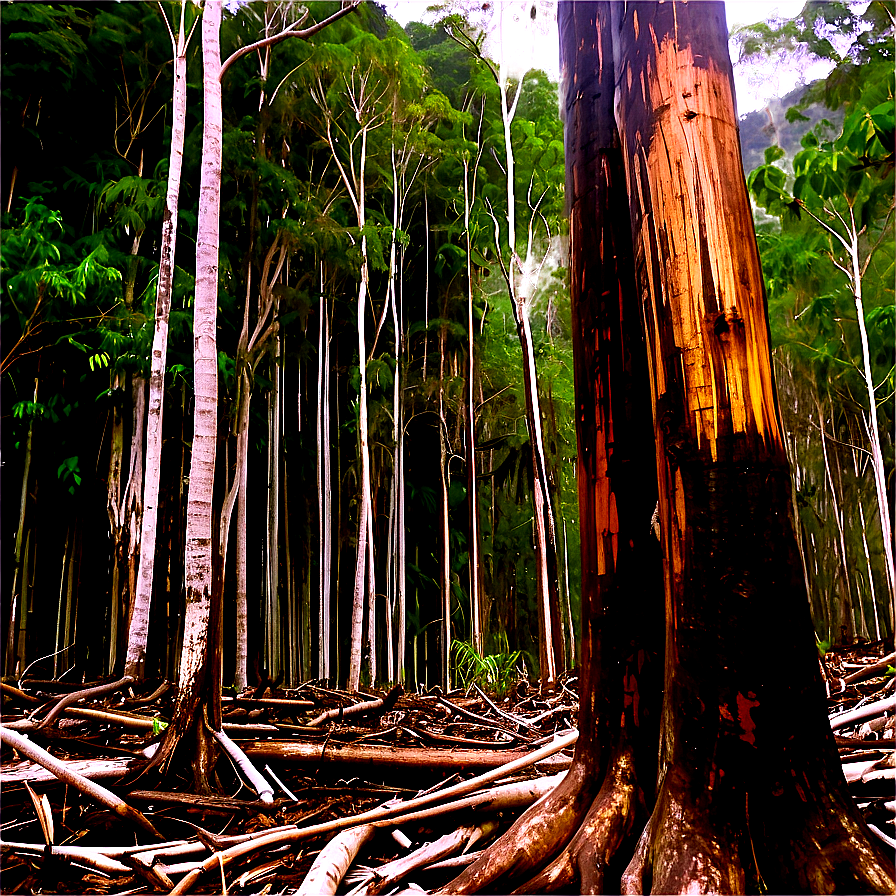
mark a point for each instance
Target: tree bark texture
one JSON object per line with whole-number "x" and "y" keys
{"x": 199, "y": 535}
{"x": 752, "y": 793}
{"x": 139, "y": 625}
{"x": 581, "y": 824}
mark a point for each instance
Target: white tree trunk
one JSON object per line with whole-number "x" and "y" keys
{"x": 877, "y": 458}
{"x": 139, "y": 626}
{"x": 198, "y": 559}
{"x": 324, "y": 487}
{"x": 475, "y": 607}
{"x": 364, "y": 523}
{"x": 354, "y": 669}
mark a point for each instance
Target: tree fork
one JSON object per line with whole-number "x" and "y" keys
{"x": 753, "y": 795}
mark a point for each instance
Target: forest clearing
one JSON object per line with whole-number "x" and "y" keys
{"x": 422, "y": 476}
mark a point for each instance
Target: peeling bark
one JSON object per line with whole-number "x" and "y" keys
{"x": 139, "y": 619}
{"x": 617, "y": 493}
{"x": 752, "y": 792}
{"x": 199, "y": 628}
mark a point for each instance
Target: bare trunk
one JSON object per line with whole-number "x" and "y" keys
{"x": 747, "y": 754}
{"x": 139, "y": 624}
{"x": 445, "y": 531}
{"x": 472, "y": 482}
{"x": 242, "y": 609}
{"x": 324, "y": 486}
{"x": 354, "y": 669}
{"x": 549, "y": 629}
{"x": 272, "y": 533}
{"x": 846, "y": 629}
{"x": 365, "y": 550}
{"x": 877, "y": 458}
{"x": 16, "y": 607}
{"x": 197, "y": 647}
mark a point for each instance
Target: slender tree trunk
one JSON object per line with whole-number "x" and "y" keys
{"x": 324, "y": 486}
{"x": 133, "y": 497}
{"x": 444, "y": 526}
{"x": 242, "y": 608}
{"x": 472, "y": 482}
{"x": 364, "y": 554}
{"x": 273, "y": 618}
{"x": 747, "y": 756}
{"x": 60, "y": 640}
{"x": 571, "y": 635}
{"x": 197, "y": 648}
{"x": 114, "y": 511}
{"x": 871, "y": 423}
{"x": 549, "y": 628}
{"x": 139, "y": 624}
{"x": 846, "y": 630}
{"x": 16, "y": 607}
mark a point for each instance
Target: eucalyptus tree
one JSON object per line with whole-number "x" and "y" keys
{"x": 139, "y": 617}
{"x": 199, "y": 670}
{"x": 194, "y": 661}
{"x": 734, "y": 734}
{"x": 844, "y": 187}
{"x": 360, "y": 81}
{"x": 414, "y": 149}
{"x": 521, "y": 273}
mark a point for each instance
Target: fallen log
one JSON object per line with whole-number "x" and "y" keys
{"x": 92, "y": 769}
{"x": 96, "y": 792}
{"x": 208, "y": 801}
{"x": 429, "y": 759}
{"x": 869, "y": 711}
{"x": 333, "y": 861}
{"x": 378, "y": 705}
{"x": 432, "y": 759}
{"x": 395, "y": 814}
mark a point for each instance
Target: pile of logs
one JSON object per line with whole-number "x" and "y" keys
{"x": 360, "y": 793}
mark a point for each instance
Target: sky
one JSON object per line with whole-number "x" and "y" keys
{"x": 755, "y": 86}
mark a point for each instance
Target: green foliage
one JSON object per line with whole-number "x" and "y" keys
{"x": 833, "y": 198}
{"x": 495, "y": 672}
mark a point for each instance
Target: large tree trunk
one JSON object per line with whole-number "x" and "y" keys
{"x": 581, "y": 824}
{"x": 751, "y": 793}
{"x": 199, "y": 535}
{"x": 751, "y": 782}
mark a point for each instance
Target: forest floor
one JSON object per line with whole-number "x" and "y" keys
{"x": 417, "y": 783}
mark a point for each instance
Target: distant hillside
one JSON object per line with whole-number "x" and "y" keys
{"x": 765, "y": 127}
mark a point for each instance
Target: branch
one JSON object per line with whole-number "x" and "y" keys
{"x": 287, "y": 32}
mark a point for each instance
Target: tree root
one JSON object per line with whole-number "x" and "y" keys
{"x": 681, "y": 851}
{"x": 794, "y": 835}
{"x": 584, "y": 860}
{"x": 536, "y": 836}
